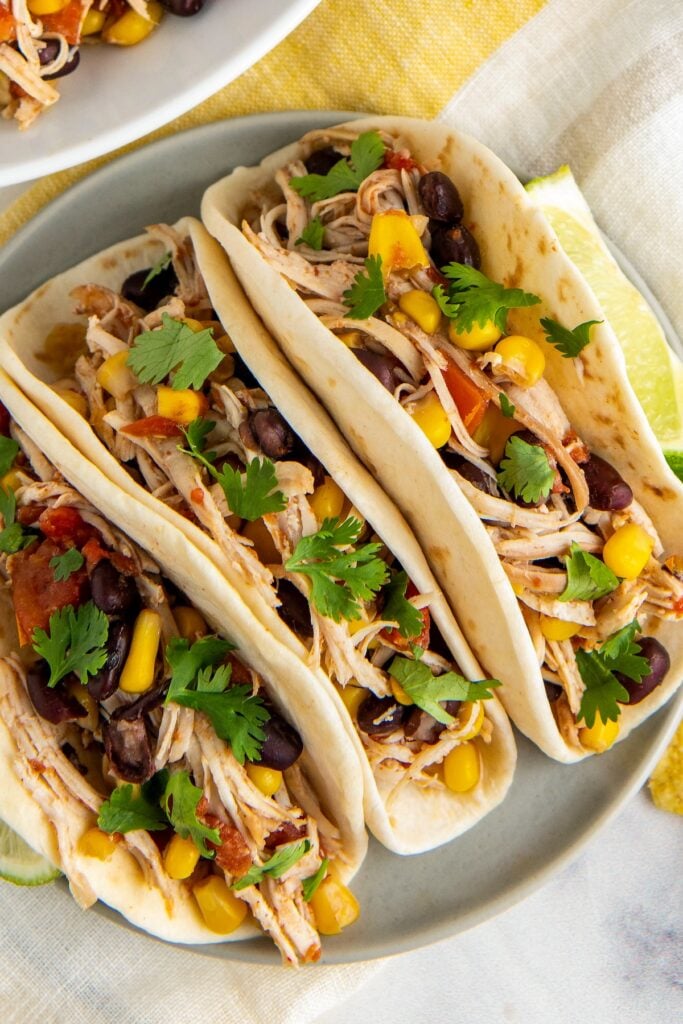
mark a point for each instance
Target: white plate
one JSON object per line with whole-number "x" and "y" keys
{"x": 118, "y": 94}
{"x": 552, "y": 810}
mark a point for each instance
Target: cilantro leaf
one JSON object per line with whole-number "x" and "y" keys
{"x": 604, "y": 693}
{"x": 187, "y": 661}
{"x": 254, "y": 495}
{"x": 161, "y": 264}
{"x": 9, "y": 450}
{"x": 506, "y": 406}
{"x": 13, "y": 536}
{"x": 312, "y": 235}
{"x": 196, "y": 434}
{"x": 128, "y": 809}
{"x": 310, "y": 885}
{"x": 347, "y": 175}
{"x": 76, "y": 642}
{"x": 65, "y": 564}
{"x": 478, "y": 299}
{"x": 587, "y": 577}
{"x": 449, "y": 309}
{"x": 180, "y": 801}
{"x": 525, "y": 470}
{"x": 398, "y": 609}
{"x": 366, "y": 294}
{"x": 569, "y": 342}
{"x": 427, "y": 690}
{"x": 174, "y": 346}
{"x": 284, "y": 858}
{"x": 339, "y": 578}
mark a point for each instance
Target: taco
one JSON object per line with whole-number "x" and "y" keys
{"x": 410, "y": 281}
{"x": 262, "y": 483}
{"x": 192, "y": 780}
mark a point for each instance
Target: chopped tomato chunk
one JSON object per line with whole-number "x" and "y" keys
{"x": 286, "y": 833}
{"x": 35, "y": 591}
{"x": 8, "y": 26}
{"x": 471, "y": 402}
{"x": 678, "y": 606}
{"x": 68, "y": 21}
{"x": 94, "y": 552}
{"x": 233, "y": 853}
{"x": 153, "y": 426}
{"x": 398, "y": 161}
{"x": 404, "y": 643}
{"x": 66, "y": 524}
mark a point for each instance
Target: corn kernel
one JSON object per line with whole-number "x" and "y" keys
{"x": 352, "y": 697}
{"x": 268, "y": 780}
{"x": 494, "y": 432}
{"x": 465, "y": 714}
{"x": 222, "y": 911}
{"x": 77, "y": 401}
{"x": 115, "y": 376}
{"x": 257, "y": 533}
{"x": 138, "y": 672}
{"x": 461, "y": 768}
{"x": 394, "y": 238}
{"x": 191, "y": 625}
{"x": 628, "y": 551}
{"x": 327, "y": 500}
{"x": 431, "y": 418}
{"x": 524, "y": 356}
{"x": 96, "y": 843}
{"x": 131, "y": 27}
{"x": 478, "y": 339}
{"x": 180, "y": 858}
{"x": 40, "y": 7}
{"x": 350, "y": 338}
{"x": 93, "y": 22}
{"x": 558, "y": 629}
{"x": 600, "y": 736}
{"x": 334, "y": 906}
{"x": 422, "y": 308}
{"x": 182, "y": 405}
{"x": 399, "y": 693}
{"x": 11, "y": 480}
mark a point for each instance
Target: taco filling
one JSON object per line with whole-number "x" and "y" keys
{"x": 165, "y": 391}
{"x": 135, "y": 725}
{"x": 379, "y": 248}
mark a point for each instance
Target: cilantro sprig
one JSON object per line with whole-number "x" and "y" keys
{"x": 569, "y": 342}
{"x": 340, "y": 579}
{"x": 474, "y": 298}
{"x": 179, "y": 801}
{"x": 13, "y": 536}
{"x": 174, "y": 347}
{"x": 397, "y": 608}
{"x": 312, "y": 235}
{"x": 525, "y": 470}
{"x": 236, "y": 714}
{"x": 9, "y": 449}
{"x": 250, "y": 496}
{"x": 506, "y": 406}
{"x": 348, "y": 174}
{"x": 64, "y": 565}
{"x": 311, "y": 884}
{"x": 161, "y": 264}
{"x": 282, "y": 860}
{"x": 604, "y": 693}
{"x": 588, "y": 578}
{"x": 427, "y": 690}
{"x": 366, "y": 294}
{"x": 129, "y": 809}
{"x": 76, "y": 642}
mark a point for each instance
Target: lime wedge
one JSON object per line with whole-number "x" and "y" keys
{"x": 20, "y": 864}
{"x": 655, "y": 372}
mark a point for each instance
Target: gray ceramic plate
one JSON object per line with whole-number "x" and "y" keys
{"x": 552, "y": 810}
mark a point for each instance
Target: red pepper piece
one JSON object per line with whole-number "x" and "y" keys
{"x": 471, "y": 402}
{"x": 66, "y": 525}
{"x": 153, "y": 426}
{"x": 398, "y": 161}
{"x": 68, "y": 21}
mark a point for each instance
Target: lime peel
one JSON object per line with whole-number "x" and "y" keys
{"x": 20, "y": 864}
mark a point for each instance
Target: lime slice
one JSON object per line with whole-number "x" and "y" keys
{"x": 20, "y": 864}
{"x": 655, "y": 372}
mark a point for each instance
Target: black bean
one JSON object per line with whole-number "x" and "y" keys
{"x": 106, "y": 681}
{"x": 322, "y": 161}
{"x": 53, "y": 704}
{"x": 272, "y": 433}
{"x": 148, "y": 701}
{"x": 294, "y": 609}
{"x": 440, "y": 198}
{"x": 153, "y": 294}
{"x": 476, "y": 476}
{"x": 552, "y": 691}
{"x": 282, "y": 745}
{"x": 659, "y": 661}
{"x": 384, "y": 366}
{"x": 380, "y": 716}
{"x": 423, "y": 727}
{"x": 48, "y": 54}
{"x": 608, "y": 491}
{"x": 183, "y": 8}
{"x": 112, "y": 592}
{"x": 128, "y": 748}
{"x": 455, "y": 245}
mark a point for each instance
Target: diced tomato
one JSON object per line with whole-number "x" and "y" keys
{"x": 35, "y": 591}
{"x": 471, "y": 402}
{"x": 398, "y": 161}
{"x": 286, "y": 833}
{"x": 404, "y": 643}
{"x": 233, "y": 853}
{"x": 94, "y": 552}
{"x": 66, "y": 525}
{"x": 678, "y": 606}
{"x": 153, "y": 426}
{"x": 68, "y": 21}
{"x": 4, "y": 414}
{"x": 8, "y": 26}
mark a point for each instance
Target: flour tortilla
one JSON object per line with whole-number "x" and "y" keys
{"x": 419, "y": 819}
{"x": 329, "y": 758}
{"x": 518, "y": 248}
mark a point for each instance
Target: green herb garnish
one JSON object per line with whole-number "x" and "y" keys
{"x": 525, "y": 470}
{"x": 604, "y": 693}
{"x": 174, "y": 347}
{"x": 161, "y": 264}
{"x": 506, "y": 406}
{"x": 311, "y": 884}
{"x": 282, "y": 860}
{"x": 13, "y": 536}
{"x": 9, "y": 450}
{"x": 366, "y": 294}
{"x": 588, "y": 578}
{"x": 397, "y": 608}
{"x": 312, "y": 235}
{"x": 65, "y": 564}
{"x": 348, "y": 174}
{"x": 474, "y": 298}
{"x": 427, "y": 690}
{"x": 180, "y": 801}
{"x": 569, "y": 342}
{"x": 76, "y": 642}
{"x": 129, "y": 809}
